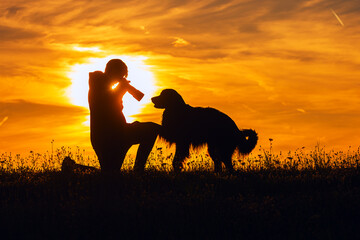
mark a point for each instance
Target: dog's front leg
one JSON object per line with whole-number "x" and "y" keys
{"x": 182, "y": 152}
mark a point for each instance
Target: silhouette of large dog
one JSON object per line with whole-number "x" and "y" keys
{"x": 185, "y": 125}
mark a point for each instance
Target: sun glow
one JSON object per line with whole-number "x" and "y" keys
{"x": 114, "y": 86}
{"x": 139, "y": 74}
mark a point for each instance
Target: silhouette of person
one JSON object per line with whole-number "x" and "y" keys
{"x": 111, "y": 135}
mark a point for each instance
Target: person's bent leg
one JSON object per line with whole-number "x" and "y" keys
{"x": 112, "y": 159}
{"x": 145, "y": 134}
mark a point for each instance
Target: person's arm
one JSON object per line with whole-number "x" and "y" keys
{"x": 120, "y": 89}
{"x": 124, "y": 85}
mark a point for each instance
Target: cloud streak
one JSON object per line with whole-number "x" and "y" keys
{"x": 282, "y": 67}
{"x": 3, "y": 120}
{"x": 15, "y": 34}
{"x": 28, "y": 123}
{"x": 337, "y": 17}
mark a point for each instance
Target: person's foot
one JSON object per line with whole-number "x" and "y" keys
{"x": 68, "y": 165}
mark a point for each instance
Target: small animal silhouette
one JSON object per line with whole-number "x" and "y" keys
{"x": 69, "y": 166}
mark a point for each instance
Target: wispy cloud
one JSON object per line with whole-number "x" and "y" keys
{"x": 277, "y": 58}
{"x": 3, "y": 120}
{"x": 28, "y": 122}
{"x": 337, "y": 17}
{"x": 13, "y": 11}
{"x": 14, "y": 34}
{"x": 179, "y": 42}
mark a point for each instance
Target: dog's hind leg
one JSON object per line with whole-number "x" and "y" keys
{"x": 218, "y": 166}
{"x": 182, "y": 152}
{"x": 228, "y": 164}
{"x": 221, "y": 155}
{"x": 226, "y": 157}
{"x": 215, "y": 156}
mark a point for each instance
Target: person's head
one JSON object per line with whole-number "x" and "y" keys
{"x": 116, "y": 68}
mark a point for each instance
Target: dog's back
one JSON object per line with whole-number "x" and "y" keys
{"x": 198, "y": 126}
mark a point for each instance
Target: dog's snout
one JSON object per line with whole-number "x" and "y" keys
{"x": 155, "y": 99}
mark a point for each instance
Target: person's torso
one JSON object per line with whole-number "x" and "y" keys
{"x": 105, "y": 108}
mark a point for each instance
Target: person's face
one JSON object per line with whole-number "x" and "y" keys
{"x": 117, "y": 75}
{"x": 115, "y": 78}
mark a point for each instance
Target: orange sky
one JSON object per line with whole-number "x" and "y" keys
{"x": 289, "y": 69}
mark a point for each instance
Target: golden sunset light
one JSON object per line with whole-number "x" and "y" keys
{"x": 139, "y": 75}
{"x": 179, "y": 119}
{"x": 288, "y": 69}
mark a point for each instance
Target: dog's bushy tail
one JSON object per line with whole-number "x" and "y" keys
{"x": 248, "y": 139}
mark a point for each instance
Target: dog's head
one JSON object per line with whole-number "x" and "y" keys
{"x": 168, "y": 98}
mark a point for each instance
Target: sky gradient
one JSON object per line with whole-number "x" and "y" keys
{"x": 290, "y": 69}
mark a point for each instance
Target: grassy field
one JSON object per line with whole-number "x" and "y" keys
{"x": 313, "y": 195}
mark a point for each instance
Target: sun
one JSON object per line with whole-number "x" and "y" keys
{"x": 139, "y": 74}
